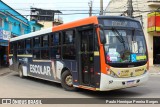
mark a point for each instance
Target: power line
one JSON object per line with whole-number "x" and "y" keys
{"x": 54, "y": 3}
{"x": 59, "y": 10}
{"x": 92, "y": 13}
{"x": 93, "y": 10}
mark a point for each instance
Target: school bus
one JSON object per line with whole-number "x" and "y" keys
{"x": 98, "y": 53}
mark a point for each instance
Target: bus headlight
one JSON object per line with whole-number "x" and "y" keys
{"x": 111, "y": 73}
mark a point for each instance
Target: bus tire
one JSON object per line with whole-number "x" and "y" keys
{"x": 20, "y": 71}
{"x": 67, "y": 81}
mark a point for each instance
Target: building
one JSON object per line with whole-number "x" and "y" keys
{"x": 46, "y": 17}
{"x": 12, "y": 24}
{"x": 147, "y": 12}
{"x": 34, "y": 26}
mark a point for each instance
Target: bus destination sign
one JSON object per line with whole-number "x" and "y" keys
{"x": 121, "y": 23}
{"x": 118, "y": 23}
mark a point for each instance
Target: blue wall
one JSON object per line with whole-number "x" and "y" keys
{"x": 36, "y": 25}
{"x": 19, "y": 22}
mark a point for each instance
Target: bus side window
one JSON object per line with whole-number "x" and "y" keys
{"x": 36, "y": 42}
{"x": 44, "y": 54}
{"x": 55, "y": 45}
{"x": 55, "y": 52}
{"x": 69, "y": 37}
{"x": 69, "y": 50}
{"x": 36, "y": 54}
{"x": 96, "y": 45}
{"x": 44, "y": 41}
{"x": 20, "y": 47}
{"x": 55, "y": 39}
{"x": 28, "y": 45}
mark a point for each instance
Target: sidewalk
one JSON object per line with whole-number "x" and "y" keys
{"x": 4, "y": 70}
{"x": 154, "y": 69}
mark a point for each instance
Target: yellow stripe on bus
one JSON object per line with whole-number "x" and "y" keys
{"x": 42, "y": 61}
{"x": 86, "y": 87}
{"x": 24, "y": 55}
{"x": 143, "y": 57}
{"x": 96, "y": 53}
{"x": 10, "y": 54}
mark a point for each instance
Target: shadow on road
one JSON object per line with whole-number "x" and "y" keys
{"x": 45, "y": 82}
{"x": 121, "y": 93}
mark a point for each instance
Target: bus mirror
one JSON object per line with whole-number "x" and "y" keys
{"x": 101, "y": 26}
{"x": 102, "y": 37}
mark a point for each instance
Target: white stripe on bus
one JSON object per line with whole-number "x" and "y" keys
{"x": 43, "y": 78}
{"x": 33, "y": 34}
{"x": 42, "y": 61}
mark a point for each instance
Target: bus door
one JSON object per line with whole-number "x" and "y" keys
{"x": 86, "y": 57}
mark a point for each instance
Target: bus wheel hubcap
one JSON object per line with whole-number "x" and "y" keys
{"x": 69, "y": 80}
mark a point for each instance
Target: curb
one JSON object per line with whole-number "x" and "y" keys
{"x": 5, "y": 73}
{"x": 158, "y": 73}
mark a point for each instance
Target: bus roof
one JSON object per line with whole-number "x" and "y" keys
{"x": 85, "y": 21}
{"x": 33, "y": 34}
{"x": 81, "y": 22}
{"x": 78, "y": 23}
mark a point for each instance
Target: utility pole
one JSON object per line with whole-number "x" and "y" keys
{"x": 130, "y": 9}
{"x": 101, "y": 7}
{"x": 90, "y": 8}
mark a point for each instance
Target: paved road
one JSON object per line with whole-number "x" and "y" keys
{"x": 13, "y": 86}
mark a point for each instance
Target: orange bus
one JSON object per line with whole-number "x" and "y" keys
{"x": 98, "y": 53}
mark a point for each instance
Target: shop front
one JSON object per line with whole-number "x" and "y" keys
{"x": 4, "y": 42}
{"x": 154, "y": 31}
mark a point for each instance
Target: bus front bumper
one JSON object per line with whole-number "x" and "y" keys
{"x": 110, "y": 83}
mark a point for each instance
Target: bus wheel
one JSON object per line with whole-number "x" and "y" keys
{"x": 20, "y": 71}
{"x": 67, "y": 81}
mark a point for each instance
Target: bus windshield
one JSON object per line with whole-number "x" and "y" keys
{"x": 124, "y": 45}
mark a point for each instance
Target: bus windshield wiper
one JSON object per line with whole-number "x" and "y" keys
{"x": 119, "y": 36}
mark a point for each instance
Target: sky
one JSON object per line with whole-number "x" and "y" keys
{"x": 69, "y": 8}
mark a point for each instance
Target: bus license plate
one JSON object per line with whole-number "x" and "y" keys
{"x": 124, "y": 73}
{"x": 130, "y": 82}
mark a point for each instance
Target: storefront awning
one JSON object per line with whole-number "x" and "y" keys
{"x": 153, "y": 22}
{"x": 3, "y": 43}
